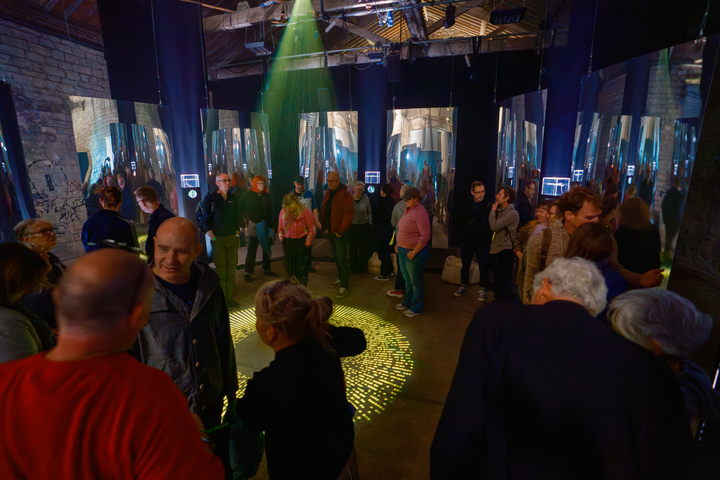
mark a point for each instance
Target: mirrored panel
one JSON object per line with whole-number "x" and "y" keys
{"x": 257, "y": 147}
{"x": 421, "y": 153}
{"x": 521, "y": 122}
{"x": 223, "y": 146}
{"x": 638, "y": 126}
{"x": 328, "y": 143}
{"x": 10, "y": 208}
{"x": 125, "y": 144}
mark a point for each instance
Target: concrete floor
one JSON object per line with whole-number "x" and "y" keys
{"x": 393, "y": 444}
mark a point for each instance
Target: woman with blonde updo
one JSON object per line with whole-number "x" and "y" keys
{"x": 299, "y": 401}
{"x": 296, "y": 230}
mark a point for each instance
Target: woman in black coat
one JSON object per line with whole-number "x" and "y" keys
{"x": 299, "y": 401}
{"x": 638, "y": 240}
{"x": 382, "y": 215}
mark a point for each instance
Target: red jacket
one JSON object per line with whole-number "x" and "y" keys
{"x": 343, "y": 211}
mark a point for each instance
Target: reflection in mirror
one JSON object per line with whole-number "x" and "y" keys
{"x": 644, "y": 143}
{"x": 328, "y": 143}
{"x": 257, "y": 147}
{"x": 10, "y": 208}
{"x": 222, "y": 138}
{"x": 126, "y": 144}
{"x": 421, "y": 152}
{"x": 521, "y": 122}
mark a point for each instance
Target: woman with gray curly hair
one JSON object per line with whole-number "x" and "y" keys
{"x": 671, "y": 327}
{"x": 571, "y": 279}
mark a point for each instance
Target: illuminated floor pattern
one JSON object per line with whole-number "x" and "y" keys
{"x": 373, "y": 378}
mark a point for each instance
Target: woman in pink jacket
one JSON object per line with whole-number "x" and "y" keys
{"x": 296, "y": 230}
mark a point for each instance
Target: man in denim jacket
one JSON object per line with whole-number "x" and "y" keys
{"x": 188, "y": 334}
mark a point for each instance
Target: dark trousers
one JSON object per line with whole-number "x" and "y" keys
{"x": 502, "y": 264}
{"x": 360, "y": 247}
{"x": 297, "y": 258}
{"x": 383, "y": 235}
{"x": 482, "y": 252}
{"x": 339, "y": 249}
{"x": 253, "y": 244}
{"x": 671, "y": 229}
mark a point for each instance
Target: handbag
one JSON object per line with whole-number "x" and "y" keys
{"x": 246, "y": 447}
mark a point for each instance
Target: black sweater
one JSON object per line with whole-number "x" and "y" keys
{"x": 300, "y": 403}
{"x": 382, "y": 212}
{"x": 258, "y": 207}
{"x": 221, "y": 215}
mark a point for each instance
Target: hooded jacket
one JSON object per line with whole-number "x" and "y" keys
{"x": 342, "y": 213}
{"x": 192, "y": 343}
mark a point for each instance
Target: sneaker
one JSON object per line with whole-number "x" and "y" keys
{"x": 392, "y": 274}
{"x": 395, "y": 294}
{"x": 312, "y": 269}
{"x": 461, "y": 291}
{"x": 400, "y": 306}
{"x": 410, "y": 313}
{"x": 342, "y": 293}
{"x": 232, "y": 304}
{"x": 336, "y": 283}
{"x": 248, "y": 278}
{"x": 380, "y": 278}
{"x": 481, "y": 295}
{"x": 270, "y": 273}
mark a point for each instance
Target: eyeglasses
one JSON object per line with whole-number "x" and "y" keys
{"x": 223, "y": 180}
{"x": 47, "y": 232}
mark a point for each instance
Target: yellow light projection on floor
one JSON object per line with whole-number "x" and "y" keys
{"x": 373, "y": 378}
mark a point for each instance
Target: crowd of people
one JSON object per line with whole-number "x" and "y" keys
{"x": 577, "y": 368}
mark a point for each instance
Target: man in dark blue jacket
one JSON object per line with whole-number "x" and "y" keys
{"x": 149, "y": 203}
{"x": 108, "y": 224}
{"x": 221, "y": 221}
{"x": 545, "y": 391}
{"x": 127, "y": 209}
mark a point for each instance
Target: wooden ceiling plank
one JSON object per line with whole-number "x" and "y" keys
{"x": 73, "y": 6}
{"x": 50, "y": 5}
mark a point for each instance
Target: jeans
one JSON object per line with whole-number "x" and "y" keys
{"x": 263, "y": 239}
{"x": 502, "y": 263}
{"x": 482, "y": 253}
{"x": 225, "y": 256}
{"x": 360, "y": 247}
{"x": 339, "y": 249}
{"x": 296, "y": 258}
{"x": 382, "y": 240}
{"x": 413, "y": 271}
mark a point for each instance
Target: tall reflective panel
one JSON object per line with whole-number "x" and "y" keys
{"x": 328, "y": 142}
{"x": 421, "y": 152}
{"x": 10, "y": 208}
{"x": 521, "y": 122}
{"x": 222, "y": 139}
{"x": 638, "y": 126}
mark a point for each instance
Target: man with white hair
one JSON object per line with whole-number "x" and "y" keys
{"x": 546, "y": 391}
{"x": 671, "y": 327}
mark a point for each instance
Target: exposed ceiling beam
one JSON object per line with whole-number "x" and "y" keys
{"x": 438, "y": 24}
{"x": 91, "y": 12}
{"x": 50, "y": 5}
{"x": 359, "y": 31}
{"x": 415, "y": 21}
{"x": 245, "y": 17}
{"x": 73, "y": 6}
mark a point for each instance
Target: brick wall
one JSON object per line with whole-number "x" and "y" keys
{"x": 91, "y": 119}
{"x": 44, "y": 70}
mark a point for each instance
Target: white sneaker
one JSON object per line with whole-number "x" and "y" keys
{"x": 481, "y": 295}
{"x": 400, "y": 306}
{"x": 342, "y": 293}
{"x": 336, "y": 283}
{"x": 410, "y": 313}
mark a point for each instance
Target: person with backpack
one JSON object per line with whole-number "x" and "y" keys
{"x": 476, "y": 238}
{"x": 504, "y": 221}
{"x": 221, "y": 220}
{"x": 577, "y": 206}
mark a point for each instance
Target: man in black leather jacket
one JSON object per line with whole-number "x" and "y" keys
{"x": 188, "y": 334}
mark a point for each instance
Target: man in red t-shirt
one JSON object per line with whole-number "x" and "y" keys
{"x": 87, "y": 409}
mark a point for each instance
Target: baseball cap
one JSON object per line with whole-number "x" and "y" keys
{"x": 411, "y": 192}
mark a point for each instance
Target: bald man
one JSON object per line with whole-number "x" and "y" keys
{"x": 222, "y": 220}
{"x": 188, "y": 334}
{"x": 87, "y": 409}
{"x": 338, "y": 211}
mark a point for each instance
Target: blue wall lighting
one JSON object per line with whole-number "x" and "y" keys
{"x": 555, "y": 186}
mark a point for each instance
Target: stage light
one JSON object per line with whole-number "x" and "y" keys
{"x": 390, "y": 19}
{"x": 373, "y": 378}
{"x": 449, "y": 16}
{"x": 260, "y": 49}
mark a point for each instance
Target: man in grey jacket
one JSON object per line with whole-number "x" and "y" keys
{"x": 188, "y": 334}
{"x": 504, "y": 220}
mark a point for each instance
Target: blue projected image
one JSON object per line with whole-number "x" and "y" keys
{"x": 555, "y": 186}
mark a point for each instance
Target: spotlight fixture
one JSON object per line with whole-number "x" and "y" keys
{"x": 449, "y": 16}
{"x": 260, "y": 49}
{"x": 390, "y": 19}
